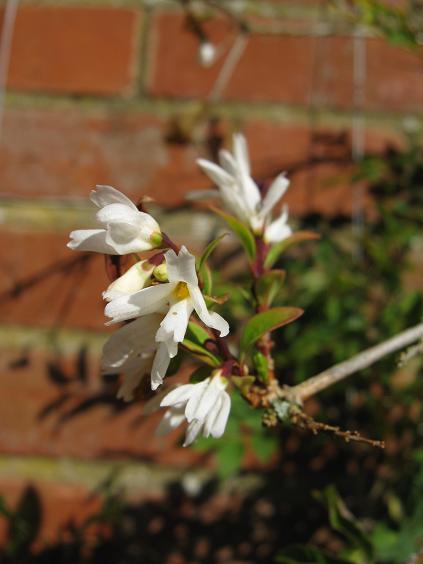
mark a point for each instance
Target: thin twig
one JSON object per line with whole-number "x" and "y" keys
{"x": 358, "y": 362}
{"x": 306, "y": 422}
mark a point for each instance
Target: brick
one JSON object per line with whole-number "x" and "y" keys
{"x": 65, "y": 153}
{"x": 38, "y": 288}
{"x": 74, "y": 50}
{"x": 284, "y": 69}
{"x": 395, "y": 77}
{"x": 87, "y": 423}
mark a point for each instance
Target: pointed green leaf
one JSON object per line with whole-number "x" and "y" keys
{"x": 265, "y": 322}
{"x": 196, "y": 333}
{"x": 208, "y": 251}
{"x": 277, "y": 249}
{"x": 241, "y": 230}
{"x": 268, "y": 286}
{"x": 206, "y": 279}
{"x": 195, "y": 337}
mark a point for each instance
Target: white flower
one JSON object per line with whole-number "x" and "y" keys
{"x": 205, "y": 406}
{"x": 132, "y": 352}
{"x": 176, "y": 299}
{"x": 122, "y": 228}
{"x": 134, "y": 279}
{"x": 241, "y": 195}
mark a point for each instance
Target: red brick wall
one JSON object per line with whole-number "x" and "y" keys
{"x": 106, "y": 94}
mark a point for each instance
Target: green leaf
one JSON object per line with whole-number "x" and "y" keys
{"x": 206, "y": 279}
{"x": 195, "y": 337}
{"x": 196, "y": 333}
{"x": 277, "y": 249}
{"x": 241, "y": 230}
{"x": 208, "y": 251}
{"x": 268, "y": 286}
{"x": 265, "y": 322}
{"x": 243, "y": 383}
{"x": 201, "y": 353}
{"x": 261, "y": 364}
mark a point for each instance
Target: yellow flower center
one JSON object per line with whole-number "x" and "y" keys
{"x": 181, "y": 291}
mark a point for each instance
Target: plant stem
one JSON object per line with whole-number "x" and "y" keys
{"x": 358, "y": 362}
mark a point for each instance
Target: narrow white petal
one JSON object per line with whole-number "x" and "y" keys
{"x": 219, "y": 424}
{"x": 208, "y": 400}
{"x": 279, "y": 229}
{"x": 211, "y": 416}
{"x": 276, "y": 190}
{"x": 194, "y": 429}
{"x": 160, "y": 365}
{"x": 240, "y": 149}
{"x": 131, "y": 340}
{"x": 179, "y": 395}
{"x": 174, "y": 325}
{"x": 93, "y": 240}
{"x": 211, "y": 319}
{"x": 227, "y": 162}
{"x": 171, "y": 419}
{"x": 181, "y": 267}
{"x": 105, "y": 195}
{"x": 195, "y": 399}
{"x": 134, "y": 279}
{"x": 215, "y": 172}
{"x": 148, "y": 300}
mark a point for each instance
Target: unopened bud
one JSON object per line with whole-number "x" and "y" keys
{"x": 156, "y": 238}
{"x": 160, "y": 272}
{"x": 207, "y": 54}
{"x": 134, "y": 279}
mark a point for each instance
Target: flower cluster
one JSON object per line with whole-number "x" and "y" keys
{"x": 241, "y": 196}
{"x": 158, "y": 297}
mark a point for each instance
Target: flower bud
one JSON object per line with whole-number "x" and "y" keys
{"x": 160, "y": 272}
{"x": 156, "y": 238}
{"x": 134, "y": 279}
{"x": 207, "y": 54}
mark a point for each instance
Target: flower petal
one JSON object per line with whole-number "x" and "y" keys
{"x": 240, "y": 149}
{"x": 93, "y": 240}
{"x": 160, "y": 365}
{"x": 194, "y": 429}
{"x": 131, "y": 340}
{"x": 276, "y": 190}
{"x": 195, "y": 399}
{"x": 218, "y": 426}
{"x": 208, "y": 399}
{"x": 279, "y": 229}
{"x": 179, "y": 395}
{"x": 149, "y": 300}
{"x": 104, "y": 195}
{"x": 211, "y": 319}
{"x": 171, "y": 419}
{"x": 181, "y": 267}
{"x": 215, "y": 172}
{"x": 174, "y": 325}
